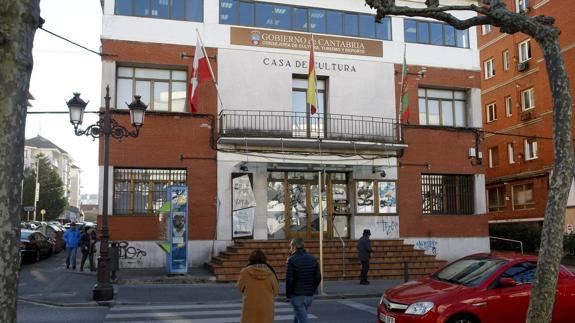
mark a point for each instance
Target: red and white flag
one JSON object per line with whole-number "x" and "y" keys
{"x": 200, "y": 72}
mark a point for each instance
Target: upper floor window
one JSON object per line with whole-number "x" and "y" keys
{"x": 447, "y": 194}
{"x": 510, "y": 153}
{"x": 493, "y": 157}
{"x": 442, "y": 108}
{"x": 434, "y": 33}
{"x": 506, "y": 60}
{"x": 489, "y": 68}
{"x": 288, "y": 17}
{"x": 485, "y": 29}
{"x": 496, "y": 198}
{"x": 508, "y": 106}
{"x": 523, "y": 196}
{"x": 162, "y": 90}
{"x": 522, "y": 5}
{"x": 530, "y": 149}
{"x": 524, "y": 51}
{"x": 527, "y": 99}
{"x": 491, "y": 112}
{"x": 190, "y": 10}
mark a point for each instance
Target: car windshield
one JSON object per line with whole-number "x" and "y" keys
{"x": 469, "y": 271}
{"x": 25, "y": 235}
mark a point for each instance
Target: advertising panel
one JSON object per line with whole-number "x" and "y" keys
{"x": 177, "y": 257}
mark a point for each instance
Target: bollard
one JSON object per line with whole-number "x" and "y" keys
{"x": 113, "y": 251}
{"x": 405, "y": 272}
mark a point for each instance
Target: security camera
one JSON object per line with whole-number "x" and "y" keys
{"x": 382, "y": 174}
{"x": 244, "y": 168}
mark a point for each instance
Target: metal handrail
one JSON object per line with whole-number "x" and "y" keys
{"x": 510, "y": 240}
{"x": 342, "y": 252}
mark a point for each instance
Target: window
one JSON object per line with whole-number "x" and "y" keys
{"x": 190, "y": 10}
{"x": 522, "y": 5}
{"x": 162, "y": 90}
{"x": 143, "y": 191}
{"x": 304, "y": 124}
{"x": 376, "y": 197}
{"x": 522, "y": 273}
{"x": 524, "y": 51}
{"x": 491, "y": 112}
{"x": 485, "y": 29}
{"x": 287, "y": 17}
{"x": 527, "y": 100}
{"x": 493, "y": 157}
{"x": 447, "y": 194}
{"x": 510, "y": 153}
{"x": 489, "y": 68}
{"x": 530, "y": 148}
{"x": 523, "y": 196}
{"x": 442, "y": 108}
{"x": 506, "y": 60}
{"x": 496, "y": 198}
{"x": 508, "y": 106}
{"x": 426, "y": 32}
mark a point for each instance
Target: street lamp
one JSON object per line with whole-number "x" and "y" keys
{"x": 106, "y": 127}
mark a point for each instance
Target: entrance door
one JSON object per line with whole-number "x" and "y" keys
{"x": 303, "y": 210}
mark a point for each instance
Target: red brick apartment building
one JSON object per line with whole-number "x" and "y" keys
{"x": 415, "y": 183}
{"x": 517, "y": 105}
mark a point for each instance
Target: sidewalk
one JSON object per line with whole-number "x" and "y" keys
{"x": 48, "y": 282}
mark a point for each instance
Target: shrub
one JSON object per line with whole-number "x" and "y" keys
{"x": 527, "y": 232}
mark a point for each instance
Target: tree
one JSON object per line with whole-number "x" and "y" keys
{"x": 51, "y": 197}
{"x": 18, "y": 23}
{"x": 542, "y": 29}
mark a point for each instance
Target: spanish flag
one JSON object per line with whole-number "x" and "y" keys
{"x": 311, "y": 83}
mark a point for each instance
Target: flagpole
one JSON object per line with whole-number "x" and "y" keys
{"x": 321, "y": 224}
{"x": 315, "y": 80}
{"x": 210, "y": 68}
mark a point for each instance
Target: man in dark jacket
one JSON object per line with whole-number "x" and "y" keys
{"x": 302, "y": 278}
{"x": 364, "y": 253}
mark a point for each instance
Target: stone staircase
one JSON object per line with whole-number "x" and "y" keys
{"x": 388, "y": 261}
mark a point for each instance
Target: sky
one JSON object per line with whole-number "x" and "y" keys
{"x": 61, "y": 68}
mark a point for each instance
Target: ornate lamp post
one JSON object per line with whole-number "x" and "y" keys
{"x": 106, "y": 127}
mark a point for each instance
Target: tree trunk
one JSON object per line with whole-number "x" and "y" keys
{"x": 551, "y": 251}
{"x": 18, "y": 23}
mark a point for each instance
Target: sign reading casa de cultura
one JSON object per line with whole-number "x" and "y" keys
{"x": 299, "y": 41}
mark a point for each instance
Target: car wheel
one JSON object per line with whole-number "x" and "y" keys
{"x": 37, "y": 256}
{"x": 463, "y": 318}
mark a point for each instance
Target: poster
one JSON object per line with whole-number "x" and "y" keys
{"x": 387, "y": 197}
{"x": 243, "y": 206}
{"x": 177, "y": 257}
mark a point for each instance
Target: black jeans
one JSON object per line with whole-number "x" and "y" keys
{"x": 364, "y": 270}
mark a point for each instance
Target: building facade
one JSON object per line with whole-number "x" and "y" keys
{"x": 517, "y": 104}
{"x": 258, "y": 164}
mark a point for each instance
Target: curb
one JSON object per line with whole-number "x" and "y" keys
{"x": 56, "y": 304}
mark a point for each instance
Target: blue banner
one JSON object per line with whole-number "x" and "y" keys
{"x": 177, "y": 258}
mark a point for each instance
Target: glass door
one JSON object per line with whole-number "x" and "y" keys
{"x": 298, "y": 225}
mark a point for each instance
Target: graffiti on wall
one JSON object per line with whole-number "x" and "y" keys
{"x": 389, "y": 227}
{"x": 125, "y": 251}
{"x": 430, "y": 246}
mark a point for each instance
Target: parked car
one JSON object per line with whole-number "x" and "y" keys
{"x": 34, "y": 245}
{"x": 477, "y": 288}
{"x": 56, "y": 234}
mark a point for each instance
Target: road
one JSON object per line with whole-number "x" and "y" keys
{"x": 322, "y": 311}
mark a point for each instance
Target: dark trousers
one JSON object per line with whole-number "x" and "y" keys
{"x": 86, "y": 255}
{"x": 364, "y": 270}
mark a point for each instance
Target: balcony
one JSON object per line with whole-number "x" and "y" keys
{"x": 299, "y": 130}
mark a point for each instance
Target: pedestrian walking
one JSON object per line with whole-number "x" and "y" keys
{"x": 84, "y": 246}
{"x": 93, "y": 240}
{"x": 364, "y": 253}
{"x": 259, "y": 286}
{"x": 302, "y": 278}
{"x": 72, "y": 238}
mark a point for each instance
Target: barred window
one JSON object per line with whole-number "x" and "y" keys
{"x": 144, "y": 191}
{"x": 447, "y": 194}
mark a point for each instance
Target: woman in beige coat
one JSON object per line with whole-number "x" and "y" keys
{"x": 259, "y": 285}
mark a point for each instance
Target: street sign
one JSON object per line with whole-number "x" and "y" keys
{"x": 569, "y": 228}
{"x": 29, "y": 208}
{"x": 42, "y": 211}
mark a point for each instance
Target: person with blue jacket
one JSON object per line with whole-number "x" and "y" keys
{"x": 302, "y": 278}
{"x": 72, "y": 238}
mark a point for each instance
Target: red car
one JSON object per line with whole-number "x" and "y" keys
{"x": 477, "y": 288}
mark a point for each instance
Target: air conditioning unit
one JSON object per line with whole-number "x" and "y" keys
{"x": 526, "y": 116}
{"x": 521, "y": 67}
